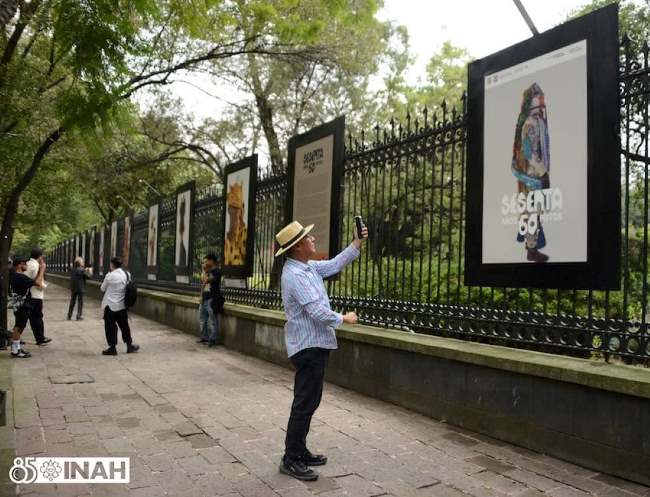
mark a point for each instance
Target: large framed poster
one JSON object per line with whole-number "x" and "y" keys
{"x": 543, "y": 175}
{"x": 126, "y": 241}
{"x": 91, "y": 248}
{"x": 183, "y": 249}
{"x": 153, "y": 228}
{"x": 102, "y": 251}
{"x": 113, "y": 249}
{"x": 315, "y": 171}
{"x": 240, "y": 180}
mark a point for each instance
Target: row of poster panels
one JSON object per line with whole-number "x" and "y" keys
{"x": 238, "y": 221}
{"x": 91, "y": 246}
{"x": 315, "y": 170}
{"x": 543, "y": 172}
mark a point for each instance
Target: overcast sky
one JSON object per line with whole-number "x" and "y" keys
{"x": 480, "y": 26}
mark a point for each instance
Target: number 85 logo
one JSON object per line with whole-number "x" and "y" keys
{"x": 24, "y": 470}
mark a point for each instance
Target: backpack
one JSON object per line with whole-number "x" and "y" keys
{"x": 14, "y": 300}
{"x": 130, "y": 292}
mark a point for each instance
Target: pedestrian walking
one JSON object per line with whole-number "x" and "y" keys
{"x": 309, "y": 336}
{"x": 212, "y": 301}
{"x": 114, "y": 307}
{"x": 78, "y": 277}
{"x": 38, "y": 295}
{"x": 20, "y": 300}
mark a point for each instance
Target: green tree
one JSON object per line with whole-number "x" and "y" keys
{"x": 69, "y": 66}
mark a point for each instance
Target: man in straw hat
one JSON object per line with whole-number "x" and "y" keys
{"x": 309, "y": 335}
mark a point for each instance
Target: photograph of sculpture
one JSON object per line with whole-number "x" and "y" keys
{"x": 102, "y": 248}
{"x": 535, "y": 160}
{"x": 152, "y": 238}
{"x": 126, "y": 241}
{"x": 239, "y": 217}
{"x": 114, "y": 239}
{"x": 91, "y": 248}
{"x": 183, "y": 251}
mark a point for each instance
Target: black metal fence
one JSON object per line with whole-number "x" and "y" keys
{"x": 407, "y": 181}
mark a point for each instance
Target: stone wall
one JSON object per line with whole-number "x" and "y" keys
{"x": 588, "y": 412}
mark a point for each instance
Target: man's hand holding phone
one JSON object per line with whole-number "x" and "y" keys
{"x": 360, "y": 232}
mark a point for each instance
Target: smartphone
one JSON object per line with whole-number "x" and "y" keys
{"x": 358, "y": 220}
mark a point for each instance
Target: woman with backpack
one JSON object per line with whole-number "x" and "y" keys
{"x": 115, "y": 286}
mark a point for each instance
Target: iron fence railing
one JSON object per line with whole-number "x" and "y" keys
{"x": 407, "y": 181}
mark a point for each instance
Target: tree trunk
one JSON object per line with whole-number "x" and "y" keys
{"x": 10, "y": 211}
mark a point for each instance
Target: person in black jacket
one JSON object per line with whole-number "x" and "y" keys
{"x": 211, "y": 301}
{"x": 78, "y": 277}
{"x": 20, "y": 286}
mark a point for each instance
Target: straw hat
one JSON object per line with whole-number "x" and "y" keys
{"x": 291, "y": 234}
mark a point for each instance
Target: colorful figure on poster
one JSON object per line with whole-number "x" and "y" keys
{"x": 182, "y": 253}
{"x": 126, "y": 241}
{"x": 153, "y": 227}
{"x": 235, "y": 244}
{"x": 531, "y": 165}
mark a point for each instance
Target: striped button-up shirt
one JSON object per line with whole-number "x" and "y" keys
{"x": 310, "y": 319}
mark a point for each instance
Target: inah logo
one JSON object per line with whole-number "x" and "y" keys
{"x": 70, "y": 470}
{"x": 51, "y": 469}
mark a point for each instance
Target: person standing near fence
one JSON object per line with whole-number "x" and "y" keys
{"x": 309, "y": 336}
{"x": 114, "y": 307}
{"x": 212, "y": 301}
{"x": 21, "y": 286}
{"x": 78, "y": 277}
{"x": 38, "y": 295}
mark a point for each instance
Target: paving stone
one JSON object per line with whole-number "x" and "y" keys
{"x": 201, "y": 441}
{"x": 202, "y": 422}
{"x": 72, "y": 378}
{"x": 491, "y": 464}
{"x": 195, "y": 465}
{"x": 82, "y": 428}
{"x": 160, "y": 462}
{"x": 187, "y": 428}
{"x": 217, "y": 455}
{"x": 357, "y": 486}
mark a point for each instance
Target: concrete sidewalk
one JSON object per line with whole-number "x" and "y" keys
{"x": 210, "y": 422}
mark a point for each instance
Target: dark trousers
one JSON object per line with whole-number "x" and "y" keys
{"x": 310, "y": 367}
{"x": 78, "y": 298}
{"x": 36, "y": 319}
{"x": 114, "y": 319}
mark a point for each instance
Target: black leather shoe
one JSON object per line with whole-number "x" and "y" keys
{"x": 314, "y": 459}
{"x": 109, "y": 351}
{"x": 212, "y": 344}
{"x": 201, "y": 340}
{"x": 79, "y": 318}
{"x": 132, "y": 349}
{"x": 44, "y": 341}
{"x": 298, "y": 470}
